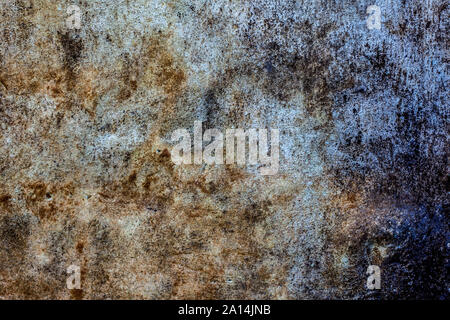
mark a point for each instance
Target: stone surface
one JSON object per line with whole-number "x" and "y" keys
{"x": 86, "y": 176}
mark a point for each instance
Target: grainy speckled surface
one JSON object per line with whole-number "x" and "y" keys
{"x": 85, "y": 171}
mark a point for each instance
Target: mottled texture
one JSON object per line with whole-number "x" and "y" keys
{"x": 86, "y": 176}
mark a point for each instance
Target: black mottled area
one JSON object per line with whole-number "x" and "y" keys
{"x": 419, "y": 265}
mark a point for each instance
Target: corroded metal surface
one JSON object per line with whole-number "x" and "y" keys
{"x": 86, "y": 176}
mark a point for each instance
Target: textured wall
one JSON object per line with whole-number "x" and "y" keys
{"x": 86, "y": 176}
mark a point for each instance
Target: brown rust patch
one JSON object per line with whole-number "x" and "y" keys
{"x": 154, "y": 67}
{"x": 80, "y": 247}
{"x": 76, "y": 294}
{"x": 47, "y": 200}
{"x": 73, "y": 48}
{"x": 195, "y": 243}
{"x": 354, "y": 239}
{"x": 4, "y": 200}
{"x": 66, "y": 88}
{"x": 59, "y": 75}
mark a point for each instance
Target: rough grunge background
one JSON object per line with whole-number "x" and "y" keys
{"x": 86, "y": 177}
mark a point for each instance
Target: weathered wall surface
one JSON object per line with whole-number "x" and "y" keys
{"x": 86, "y": 176}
